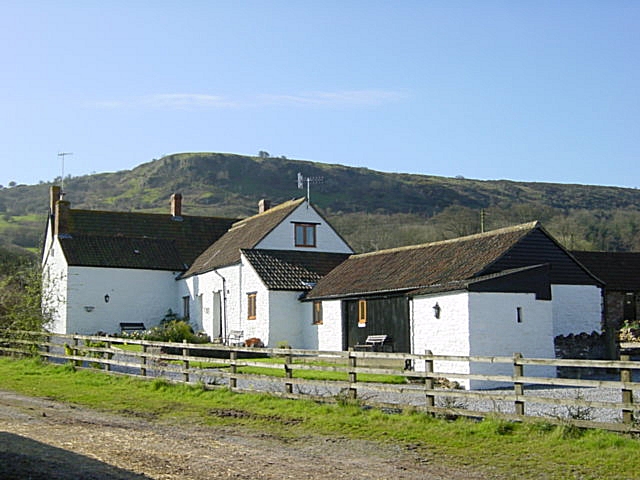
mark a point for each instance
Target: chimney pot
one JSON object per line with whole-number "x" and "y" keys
{"x": 264, "y": 205}
{"x": 176, "y": 205}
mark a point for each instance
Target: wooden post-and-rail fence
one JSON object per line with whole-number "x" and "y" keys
{"x": 424, "y": 382}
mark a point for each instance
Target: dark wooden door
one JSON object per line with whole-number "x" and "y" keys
{"x": 384, "y": 316}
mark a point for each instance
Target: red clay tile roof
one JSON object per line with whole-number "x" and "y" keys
{"x": 292, "y": 269}
{"x": 243, "y": 234}
{"x": 420, "y": 266}
{"x": 188, "y": 235}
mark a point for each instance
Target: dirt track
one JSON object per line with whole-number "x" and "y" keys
{"x": 43, "y": 439}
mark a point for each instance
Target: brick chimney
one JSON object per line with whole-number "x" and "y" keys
{"x": 54, "y": 196}
{"x": 264, "y": 205}
{"x": 176, "y": 205}
{"x": 61, "y": 217}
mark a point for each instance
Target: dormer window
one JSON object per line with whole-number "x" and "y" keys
{"x": 305, "y": 234}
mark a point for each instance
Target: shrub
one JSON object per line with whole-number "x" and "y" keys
{"x": 174, "y": 331}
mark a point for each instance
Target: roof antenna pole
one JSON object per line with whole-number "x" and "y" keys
{"x": 63, "y": 154}
{"x": 308, "y": 180}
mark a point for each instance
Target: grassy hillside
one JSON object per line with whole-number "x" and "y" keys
{"x": 372, "y": 209}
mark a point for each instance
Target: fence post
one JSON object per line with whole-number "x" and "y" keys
{"x": 143, "y": 363}
{"x": 47, "y": 340}
{"x": 288, "y": 371}
{"x": 233, "y": 369}
{"x": 107, "y": 357}
{"x": 185, "y": 372}
{"x": 78, "y": 363}
{"x": 353, "y": 377}
{"x": 518, "y": 387}
{"x": 627, "y": 394}
{"x": 428, "y": 380}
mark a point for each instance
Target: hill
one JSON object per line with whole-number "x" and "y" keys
{"x": 372, "y": 209}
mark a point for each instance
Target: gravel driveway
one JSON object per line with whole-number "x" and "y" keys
{"x": 43, "y": 439}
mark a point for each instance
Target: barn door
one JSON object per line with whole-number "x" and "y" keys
{"x": 377, "y": 316}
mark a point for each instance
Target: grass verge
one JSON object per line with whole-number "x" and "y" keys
{"x": 506, "y": 450}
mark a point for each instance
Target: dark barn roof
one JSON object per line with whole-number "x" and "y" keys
{"x": 619, "y": 270}
{"x": 290, "y": 269}
{"x": 450, "y": 262}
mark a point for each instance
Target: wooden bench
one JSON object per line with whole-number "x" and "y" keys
{"x": 235, "y": 338}
{"x": 131, "y": 327}
{"x": 373, "y": 342}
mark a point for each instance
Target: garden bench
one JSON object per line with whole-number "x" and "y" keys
{"x": 132, "y": 327}
{"x": 235, "y": 338}
{"x": 373, "y": 343}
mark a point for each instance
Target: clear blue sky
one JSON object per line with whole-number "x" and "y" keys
{"x": 519, "y": 90}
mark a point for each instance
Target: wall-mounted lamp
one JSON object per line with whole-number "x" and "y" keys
{"x": 107, "y": 298}
{"x": 436, "y": 310}
{"x": 89, "y": 308}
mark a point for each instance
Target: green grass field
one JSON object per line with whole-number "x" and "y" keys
{"x": 506, "y": 450}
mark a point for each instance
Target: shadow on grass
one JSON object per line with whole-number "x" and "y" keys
{"x": 23, "y": 458}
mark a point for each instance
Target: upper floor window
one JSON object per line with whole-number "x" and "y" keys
{"x": 305, "y": 234}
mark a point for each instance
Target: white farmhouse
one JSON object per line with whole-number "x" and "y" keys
{"x": 251, "y": 279}
{"x": 101, "y": 268}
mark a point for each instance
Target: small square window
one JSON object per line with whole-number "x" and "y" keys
{"x": 362, "y": 313}
{"x": 304, "y": 234}
{"x": 251, "y": 306}
{"x": 317, "y": 313}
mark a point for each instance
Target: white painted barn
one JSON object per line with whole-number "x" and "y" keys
{"x": 496, "y": 293}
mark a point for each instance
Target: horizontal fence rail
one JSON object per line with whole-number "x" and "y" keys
{"x": 601, "y": 394}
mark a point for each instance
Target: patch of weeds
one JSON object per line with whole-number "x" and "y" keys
{"x": 160, "y": 384}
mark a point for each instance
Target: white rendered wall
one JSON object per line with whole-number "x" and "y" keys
{"x": 282, "y": 237}
{"x": 447, "y": 335}
{"x": 54, "y": 287}
{"x": 250, "y": 282}
{"x": 576, "y": 309}
{"x": 290, "y": 320}
{"x": 224, "y": 281}
{"x": 495, "y": 331}
{"x": 134, "y": 296}
{"x": 329, "y": 334}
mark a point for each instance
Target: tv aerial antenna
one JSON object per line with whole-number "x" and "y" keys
{"x": 308, "y": 180}
{"x": 63, "y": 154}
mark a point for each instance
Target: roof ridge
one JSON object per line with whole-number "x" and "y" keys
{"x": 156, "y": 214}
{"x": 274, "y": 209}
{"x": 499, "y": 231}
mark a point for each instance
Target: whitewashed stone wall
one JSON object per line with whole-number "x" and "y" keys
{"x": 54, "y": 287}
{"x": 576, "y": 309}
{"x": 329, "y": 334}
{"x": 226, "y": 282}
{"x": 134, "y": 296}
{"x": 447, "y": 335}
{"x": 495, "y": 331}
{"x": 282, "y": 237}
